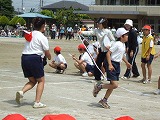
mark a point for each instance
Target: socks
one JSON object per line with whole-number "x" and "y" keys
{"x": 105, "y": 99}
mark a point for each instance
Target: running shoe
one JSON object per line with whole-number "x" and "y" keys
{"x": 157, "y": 92}
{"x": 39, "y": 105}
{"x": 96, "y": 89}
{"x": 19, "y": 97}
{"x": 147, "y": 81}
{"x": 104, "y": 104}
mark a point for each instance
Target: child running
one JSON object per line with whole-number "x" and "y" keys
{"x": 148, "y": 52}
{"x": 59, "y": 63}
{"x": 114, "y": 56}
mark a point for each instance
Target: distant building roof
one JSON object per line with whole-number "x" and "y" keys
{"x": 67, "y": 5}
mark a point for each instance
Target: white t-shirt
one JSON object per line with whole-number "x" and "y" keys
{"x": 59, "y": 59}
{"x": 118, "y": 50}
{"x": 91, "y": 50}
{"x": 37, "y": 45}
{"x": 86, "y": 58}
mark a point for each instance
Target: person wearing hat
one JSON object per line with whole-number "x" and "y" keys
{"x": 147, "y": 55}
{"x": 100, "y": 33}
{"x": 59, "y": 63}
{"x": 36, "y": 46}
{"x": 132, "y": 50}
{"x": 114, "y": 56}
{"x": 85, "y": 63}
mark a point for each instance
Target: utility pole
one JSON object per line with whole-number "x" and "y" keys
{"x": 22, "y": 6}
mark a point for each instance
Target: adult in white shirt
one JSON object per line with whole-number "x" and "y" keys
{"x": 36, "y": 46}
{"x": 100, "y": 33}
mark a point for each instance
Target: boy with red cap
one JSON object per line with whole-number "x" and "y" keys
{"x": 148, "y": 52}
{"x": 85, "y": 63}
{"x": 59, "y": 62}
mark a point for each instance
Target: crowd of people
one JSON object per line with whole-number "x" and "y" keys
{"x": 95, "y": 59}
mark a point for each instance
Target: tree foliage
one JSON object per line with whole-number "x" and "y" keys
{"x": 4, "y": 21}
{"x": 14, "y": 20}
{"x": 21, "y": 21}
{"x": 6, "y": 8}
{"x": 48, "y": 13}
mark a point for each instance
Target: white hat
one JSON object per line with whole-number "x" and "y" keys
{"x": 129, "y": 22}
{"x": 120, "y": 32}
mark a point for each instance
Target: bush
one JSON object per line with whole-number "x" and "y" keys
{"x": 14, "y": 20}
{"x": 21, "y": 21}
{"x": 4, "y": 21}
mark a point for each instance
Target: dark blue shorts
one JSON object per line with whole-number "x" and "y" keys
{"x": 113, "y": 75}
{"x": 32, "y": 66}
{"x": 143, "y": 60}
{"x": 90, "y": 68}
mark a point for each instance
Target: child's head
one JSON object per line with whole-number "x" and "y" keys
{"x": 146, "y": 30}
{"x": 128, "y": 24}
{"x": 122, "y": 34}
{"x": 57, "y": 50}
{"x": 81, "y": 48}
{"x": 102, "y": 22}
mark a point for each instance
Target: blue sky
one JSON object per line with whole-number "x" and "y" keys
{"x": 28, "y": 4}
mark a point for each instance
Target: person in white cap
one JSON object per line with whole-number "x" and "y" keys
{"x": 132, "y": 50}
{"x": 114, "y": 56}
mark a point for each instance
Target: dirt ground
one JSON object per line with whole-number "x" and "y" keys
{"x": 70, "y": 93}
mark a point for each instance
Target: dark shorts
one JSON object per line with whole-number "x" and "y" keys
{"x": 143, "y": 60}
{"x": 113, "y": 75}
{"x": 90, "y": 68}
{"x": 32, "y": 66}
{"x": 58, "y": 68}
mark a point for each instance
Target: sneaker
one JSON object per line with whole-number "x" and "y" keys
{"x": 96, "y": 89}
{"x": 58, "y": 71}
{"x": 85, "y": 74}
{"x": 39, "y": 105}
{"x": 157, "y": 92}
{"x": 135, "y": 76}
{"x": 141, "y": 81}
{"x": 19, "y": 97}
{"x": 124, "y": 78}
{"x": 147, "y": 81}
{"x": 104, "y": 104}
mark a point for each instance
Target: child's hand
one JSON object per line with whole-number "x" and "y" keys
{"x": 111, "y": 68}
{"x": 129, "y": 66}
{"x": 147, "y": 58}
{"x": 156, "y": 56}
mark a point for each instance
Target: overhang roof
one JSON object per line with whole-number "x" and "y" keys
{"x": 67, "y": 5}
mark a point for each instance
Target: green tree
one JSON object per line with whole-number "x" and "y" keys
{"x": 48, "y": 13}
{"x": 14, "y": 20}
{"x": 4, "y": 21}
{"x": 6, "y": 8}
{"x": 21, "y": 21}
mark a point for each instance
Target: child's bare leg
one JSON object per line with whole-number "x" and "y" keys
{"x": 143, "y": 70}
{"x": 159, "y": 83}
{"x": 149, "y": 71}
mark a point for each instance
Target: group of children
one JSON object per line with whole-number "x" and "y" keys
{"x": 112, "y": 54}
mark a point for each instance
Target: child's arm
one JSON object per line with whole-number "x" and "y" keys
{"x": 129, "y": 66}
{"x": 157, "y": 55}
{"x": 148, "y": 52}
{"x": 108, "y": 56}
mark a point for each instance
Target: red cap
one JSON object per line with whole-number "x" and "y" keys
{"x": 28, "y": 35}
{"x": 81, "y": 46}
{"x": 124, "y": 118}
{"x": 14, "y": 117}
{"x": 148, "y": 27}
{"x": 57, "y": 49}
{"x": 58, "y": 117}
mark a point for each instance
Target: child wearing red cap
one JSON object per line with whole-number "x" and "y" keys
{"x": 59, "y": 63}
{"x": 148, "y": 52}
{"x": 85, "y": 63}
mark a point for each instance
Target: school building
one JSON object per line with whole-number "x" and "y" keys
{"x": 117, "y": 11}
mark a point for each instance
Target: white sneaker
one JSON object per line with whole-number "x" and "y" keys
{"x": 124, "y": 78}
{"x": 147, "y": 81}
{"x": 157, "y": 92}
{"x": 19, "y": 97}
{"x": 85, "y": 74}
{"x": 39, "y": 105}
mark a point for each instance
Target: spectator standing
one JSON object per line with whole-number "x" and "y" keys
{"x": 132, "y": 50}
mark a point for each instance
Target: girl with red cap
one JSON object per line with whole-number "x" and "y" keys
{"x": 59, "y": 63}
{"x": 148, "y": 52}
{"x": 85, "y": 63}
